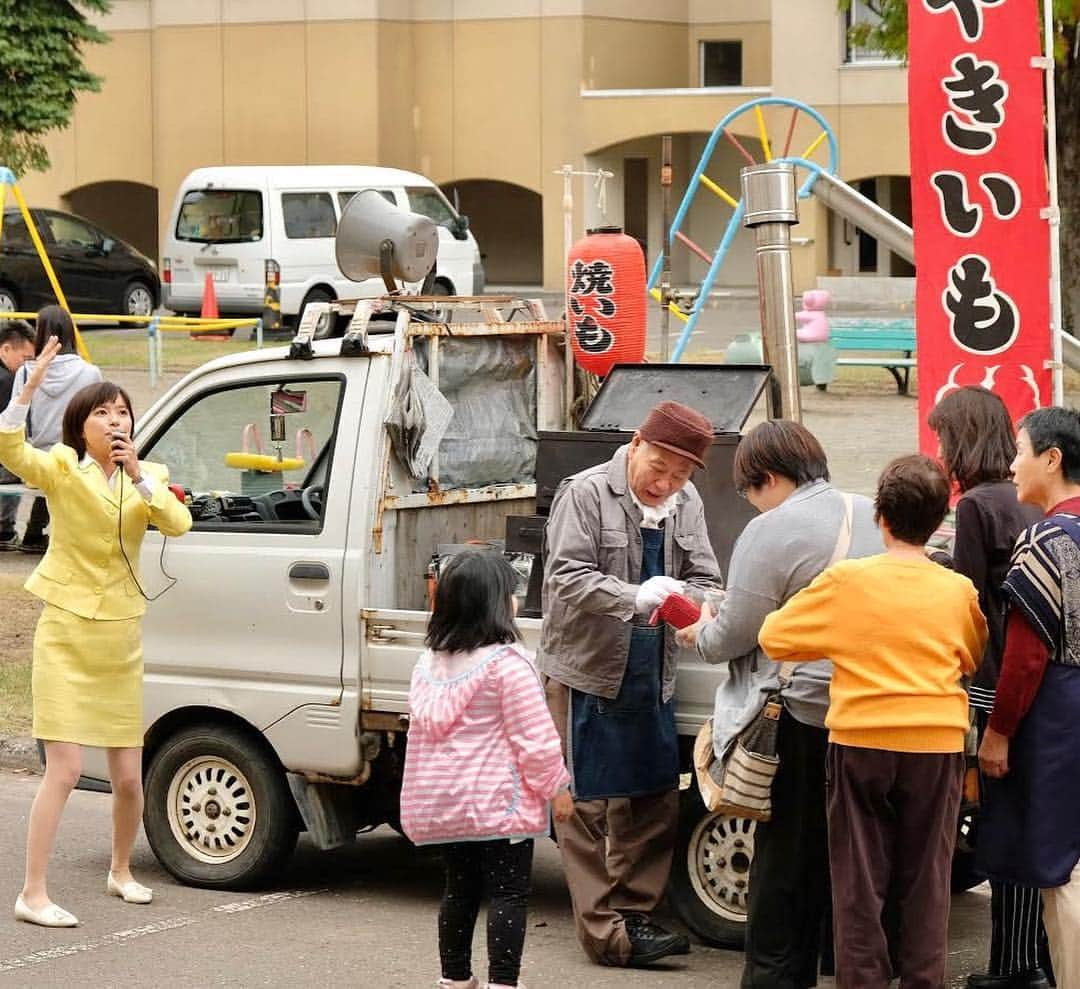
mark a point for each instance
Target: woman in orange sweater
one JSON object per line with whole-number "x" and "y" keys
{"x": 901, "y": 632}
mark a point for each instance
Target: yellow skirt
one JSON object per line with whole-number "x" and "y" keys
{"x": 87, "y": 680}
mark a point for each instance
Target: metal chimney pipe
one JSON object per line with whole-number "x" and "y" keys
{"x": 771, "y": 210}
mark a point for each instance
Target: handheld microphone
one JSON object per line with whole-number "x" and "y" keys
{"x": 117, "y": 437}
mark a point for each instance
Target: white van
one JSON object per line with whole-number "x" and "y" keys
{"x": 235, "y": 221}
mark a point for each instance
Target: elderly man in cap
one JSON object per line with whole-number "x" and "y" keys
{"x": 622, "y": 536}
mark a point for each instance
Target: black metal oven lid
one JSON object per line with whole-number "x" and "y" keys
{"x": 724, "y": 393}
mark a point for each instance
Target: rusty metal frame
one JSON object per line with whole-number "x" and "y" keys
{"x": 405, "y": 331}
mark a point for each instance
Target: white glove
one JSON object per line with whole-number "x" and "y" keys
{"x": 654, "y": 592}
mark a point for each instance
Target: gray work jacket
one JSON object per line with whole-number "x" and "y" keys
{"x": 593, "y": 569}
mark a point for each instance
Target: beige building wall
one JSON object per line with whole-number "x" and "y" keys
{"x": 497, "y": 90}
{"x": 626, "y": 54}
{"x": 433, "y": 98}
{"x": 394, "y": 58}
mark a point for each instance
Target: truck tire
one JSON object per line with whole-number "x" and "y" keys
{"x": 218, "y": 812}
{"x": 330, "y": 327}
{"x": 710, "y": 875}
{"x": 442, "y": 287}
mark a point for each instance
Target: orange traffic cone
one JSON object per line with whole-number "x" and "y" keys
{"x": 209, "y": 299}
{"x": 209, "y": 311}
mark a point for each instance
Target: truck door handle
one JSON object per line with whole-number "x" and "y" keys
{"x": 309, "y": 571}
{"x": 388, "y": 633}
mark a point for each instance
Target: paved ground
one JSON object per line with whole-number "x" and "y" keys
{"x": 362, "y": 916}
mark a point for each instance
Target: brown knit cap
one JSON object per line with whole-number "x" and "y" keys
{"x": 680, "y": 429}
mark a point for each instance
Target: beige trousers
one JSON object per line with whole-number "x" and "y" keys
{"x": 616, "y": 854}
{"x": 1061, "y": 915}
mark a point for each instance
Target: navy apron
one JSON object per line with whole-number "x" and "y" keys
{"x": 628, "y": 746}
{"x": 1029, "y": 821}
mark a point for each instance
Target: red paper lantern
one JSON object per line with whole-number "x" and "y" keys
{"x": 606, "y": 289}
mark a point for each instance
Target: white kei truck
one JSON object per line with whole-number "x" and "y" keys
{"x": 323, "y": 478}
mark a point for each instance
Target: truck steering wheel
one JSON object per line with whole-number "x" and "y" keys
{"x": 311, "y": 500}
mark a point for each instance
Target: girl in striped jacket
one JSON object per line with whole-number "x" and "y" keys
{"x": 482, "y": 763}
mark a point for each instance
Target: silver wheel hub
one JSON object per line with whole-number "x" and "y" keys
{"x": 139, "y": 302}
{"x": 211, "y": 809}
{"x": 718, "y": 862}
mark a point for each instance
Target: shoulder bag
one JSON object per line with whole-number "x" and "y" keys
{"x": 739, "y": 783}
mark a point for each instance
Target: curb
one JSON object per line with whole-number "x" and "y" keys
{"x": 19, "y": 752}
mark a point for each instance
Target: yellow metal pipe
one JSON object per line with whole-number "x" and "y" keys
{"x": 171, "y": 322}
{"x": 713, "y": 187}
{"x": 815, "y": 145}
{"x": 672, "y": 308}
{"x": 762, "y": 132}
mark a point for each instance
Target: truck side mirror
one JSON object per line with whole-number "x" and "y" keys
{"x": 459, "y": 227}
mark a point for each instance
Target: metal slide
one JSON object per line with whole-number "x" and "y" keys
{"x": 843, "y": 200}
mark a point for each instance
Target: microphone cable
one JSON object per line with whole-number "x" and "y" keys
{"x": 173, "y": 581}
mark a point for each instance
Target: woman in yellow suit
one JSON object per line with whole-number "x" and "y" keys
{"x": 87, "y": 678}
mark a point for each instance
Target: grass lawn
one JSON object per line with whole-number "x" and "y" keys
{"x": 20, "y": 615}
{"x": 15, "y": 698}
{"x": 180, "y": 352}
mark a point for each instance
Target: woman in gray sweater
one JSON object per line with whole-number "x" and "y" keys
{"x": 67, "y": 374}
{"x": 781, "y": 469}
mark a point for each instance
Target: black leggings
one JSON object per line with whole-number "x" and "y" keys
{"x": 501, "y": 872}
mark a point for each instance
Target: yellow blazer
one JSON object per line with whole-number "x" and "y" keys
{"x": 83, "y": 570}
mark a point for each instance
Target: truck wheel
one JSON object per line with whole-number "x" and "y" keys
{"x": 710, "y": 875}
{"x": 218, "y": 813}
{"x": 442, "y": 288}
{"x": 329, "y": 327}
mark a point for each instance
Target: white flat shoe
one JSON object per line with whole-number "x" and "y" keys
{"x": 47, "y": 916}
{"x": 129, "y": 892}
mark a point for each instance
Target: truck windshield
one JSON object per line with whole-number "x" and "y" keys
{"x": 220, "y": 216}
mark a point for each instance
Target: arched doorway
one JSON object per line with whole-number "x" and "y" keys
{"x": 507, "y": 221}
{"x": 854, "y": 252}
{"x": 128, "y": 210}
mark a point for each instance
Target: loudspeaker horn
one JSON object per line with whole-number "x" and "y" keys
{"x": 376, "y": 238}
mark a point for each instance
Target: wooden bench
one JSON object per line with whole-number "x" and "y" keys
{"x": 891, "y": 336}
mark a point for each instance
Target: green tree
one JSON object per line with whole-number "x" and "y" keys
{"x": 890, "y": 36}
{"x": 41, "y": 74}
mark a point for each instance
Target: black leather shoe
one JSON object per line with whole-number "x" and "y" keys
{"x": 1033, "y": 979}
{"x": 649, "y": 942}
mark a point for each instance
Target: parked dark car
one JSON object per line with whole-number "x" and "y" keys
{"x": 97, "y": 273}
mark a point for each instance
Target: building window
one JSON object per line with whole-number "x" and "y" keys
{"x": 721, "y": 63}
{"x": 860, "y": 13}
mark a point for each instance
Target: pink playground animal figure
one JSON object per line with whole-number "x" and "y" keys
{"x": 813, "y": 323}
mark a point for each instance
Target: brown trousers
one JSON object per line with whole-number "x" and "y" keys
{"x": 616, "y": 853}
{"x": 892, "y": 830}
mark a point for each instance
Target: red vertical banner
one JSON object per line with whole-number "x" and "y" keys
{"x": 978, "y": 191}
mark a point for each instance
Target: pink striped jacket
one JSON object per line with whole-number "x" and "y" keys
{"x": 483, "y": 757}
